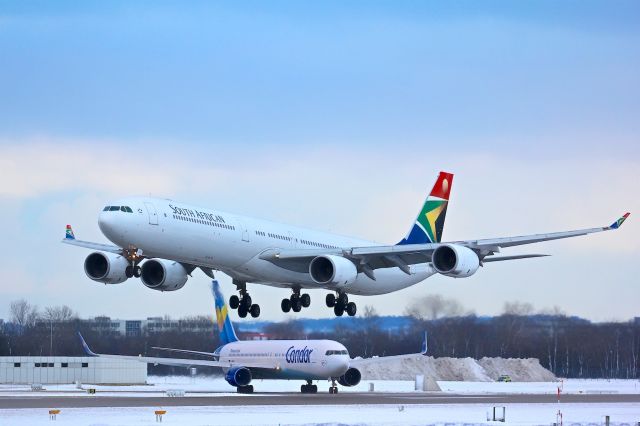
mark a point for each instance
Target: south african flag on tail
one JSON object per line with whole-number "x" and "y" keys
{"x": 69, "y": 234}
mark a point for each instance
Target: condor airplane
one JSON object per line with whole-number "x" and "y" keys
{"x": 243, "y": 361}
{"x": 176, "y": 238}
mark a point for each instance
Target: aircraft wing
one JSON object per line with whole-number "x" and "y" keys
{"x": 179, "y": 361}
{"x": 401, "y": 256}
{"x": 70, "y": 238}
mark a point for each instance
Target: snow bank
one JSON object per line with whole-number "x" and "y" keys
{"x": 406, "y": 367}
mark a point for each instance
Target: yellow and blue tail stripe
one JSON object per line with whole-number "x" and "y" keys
{"x": 225, "y": 328}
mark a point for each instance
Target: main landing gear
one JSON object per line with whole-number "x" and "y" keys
{"x": 296, "y": 302}
{"x": 243, "y": 303}
{"x": 245, "y": 389}
{"x": 309, "y": 388}
{"x": 341, "y": 304}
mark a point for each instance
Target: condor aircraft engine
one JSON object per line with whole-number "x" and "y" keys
{"x": 162, "y": 242}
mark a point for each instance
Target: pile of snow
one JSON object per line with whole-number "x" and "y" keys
{"x": 406, "y": 367}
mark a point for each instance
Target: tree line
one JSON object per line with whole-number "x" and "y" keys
{"x": 568, "y": 346}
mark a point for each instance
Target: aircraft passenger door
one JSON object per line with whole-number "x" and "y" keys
{"x": 292, "y": 239}
{"x": 153, "y": 215}
{"x": 244, "y": 230}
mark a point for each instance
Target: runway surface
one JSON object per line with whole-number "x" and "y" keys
{"x": 373, "y": 398}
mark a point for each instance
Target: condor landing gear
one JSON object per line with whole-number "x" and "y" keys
{"x": 341, "y": 304}
{"x": 243, "y": 303}
{"x": 309, "y": 388}
{"x": 245, "y": 389}
{"x": 296, "y": 302}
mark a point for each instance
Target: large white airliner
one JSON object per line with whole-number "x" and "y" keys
{"x": 243, "y": 361}
{"x": 176, "y": 238}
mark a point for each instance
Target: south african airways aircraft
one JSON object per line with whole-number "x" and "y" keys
{"x": 243, "y": 361}
{"x": 162, "y": 242}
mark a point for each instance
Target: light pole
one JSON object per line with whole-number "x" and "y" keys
{"x": 51, "y": 337}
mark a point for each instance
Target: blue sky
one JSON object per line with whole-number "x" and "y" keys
{"x": 332, "y": 115}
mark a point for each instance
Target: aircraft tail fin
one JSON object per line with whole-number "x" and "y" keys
{"x": 225, "y": 328}
{"x": 429, "y": 224}
{"x": 85, "y": 347}
{"x": 69, "y": 235}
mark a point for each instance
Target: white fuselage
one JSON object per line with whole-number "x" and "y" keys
{"x": 232, "y": 244}
{"x": 293, "y": 359}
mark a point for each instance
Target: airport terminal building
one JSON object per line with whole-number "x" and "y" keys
{"x": 68, "y": 370}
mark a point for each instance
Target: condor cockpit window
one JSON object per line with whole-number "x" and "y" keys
{"x": 336, "y": 352}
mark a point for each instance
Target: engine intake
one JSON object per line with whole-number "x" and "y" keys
{"x": 455, "y": 261}
{"x": 333, "y": 270}
{"x": 350, "y": 378}
{"x": 104, "y": 267}
{"x": 163, "y": 275}
{"x": 238, "y": 376}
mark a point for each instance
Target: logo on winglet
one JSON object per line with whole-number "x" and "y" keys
{"x": 69, "y": 233}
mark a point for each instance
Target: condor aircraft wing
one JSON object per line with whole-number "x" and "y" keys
{"x": 178, "y": 361}
{"x": 402, "y": 255}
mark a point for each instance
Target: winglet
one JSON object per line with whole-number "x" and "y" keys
{"x": 618, "y": 223}
{"x": 85, "y": 346}
{"x": 423, "y": 351}
{"x": 69, "y": 233}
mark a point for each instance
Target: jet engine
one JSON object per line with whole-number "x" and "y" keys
{"x": 105, "y": 267}
{"x": 238, "y": 376}
{"x": 333, "y": 270}
{"x": 163, "y": 275}
{"x": 455, "y": 261}
{"x": 350, "y": 378}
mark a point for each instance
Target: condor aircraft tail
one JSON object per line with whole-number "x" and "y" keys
{"x": 225, "y": 328}
{"x": 429, "y": 224}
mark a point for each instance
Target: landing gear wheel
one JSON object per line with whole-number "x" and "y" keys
{"x": 285, "y": 305}
{"x": 245, "y": 389}
{"x": 296, "y": 304}
{"x": 137, "y": 271}
{"x": 128, "y": 271}
{"x": 305, "y": 299}
{"x": 308, "y": 389}
{"x": 338, "y": 309}
{"x": 351, "y": 309}
{"x": 234, "y": 302}
{"x": 333, "y": 390}
{"x": 246, "y": 300}
{"x": 343, "y": 299}
{"x": 331, "y": 300}
{"x": 242, "y": 311}
{"x": 254, "y": 310}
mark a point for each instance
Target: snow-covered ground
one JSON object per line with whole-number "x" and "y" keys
{"x": 516, "y": 414}
{"x": 217, "y": 385}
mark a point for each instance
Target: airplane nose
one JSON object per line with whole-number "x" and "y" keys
{"x": 108, "y": 224}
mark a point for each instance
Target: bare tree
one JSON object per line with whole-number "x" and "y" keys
{"x": 23, "y": 313}
{"x": 58, "y": 313}
{"x": 434, "y": 306}
{"x": 517, "y": 308}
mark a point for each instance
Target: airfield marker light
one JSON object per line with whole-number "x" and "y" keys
{"x": 53, "y": 414}
{"x": 159, "y": 414}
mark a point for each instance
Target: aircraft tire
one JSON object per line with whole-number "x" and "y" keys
{"x": 246, "y": 301}
{"x": 351, "y": 309}
{"x": 330, "y": 300}
{"x": 333, "y": 390}
{"x": 338, "y": 309}
{"x": 255, "y": 310}
{"x": 234, "y": 302}
{"x": 137, "y": 271}
{"x": 128, "y": 271}
{"x": 343, "y": 299}
{"x": 285, "y": 305}
{"x": 296, "y": 305}
{"x": 242, "y": 311}
{"x": 305, "y": 299}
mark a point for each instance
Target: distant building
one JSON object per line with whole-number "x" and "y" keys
{"x": 66, "y": 369}
{"x": 107, "y": 326}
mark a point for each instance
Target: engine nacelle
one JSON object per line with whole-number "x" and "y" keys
{"x": 455, "y": 261}
{"x": 238, "y": 376}
{"x": 163, "y": 275}
{"x": 333, "y": 270}
{"x": 105, "y": 267}
{"x": 350, "y": 378}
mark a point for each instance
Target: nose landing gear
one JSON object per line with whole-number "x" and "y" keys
{"x": 243, "y": 303}
{"x": 341, "y": 304}
{"x": 296, "y": 302}
{"x": 333, "y": 389}
{"x": 134, "y": 257}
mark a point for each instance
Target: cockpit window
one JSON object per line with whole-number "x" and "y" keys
{"x": 106, "y": 209}
{"x": 114, "y": 208}
{"x": 123, "y": 209}
{"x": 336, "y": 352}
